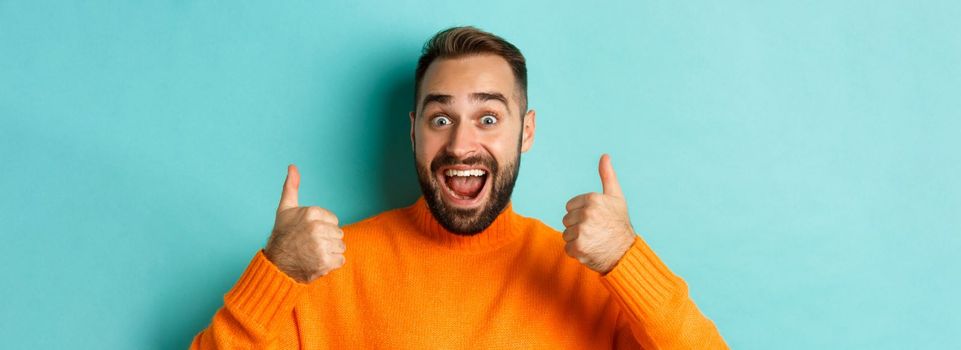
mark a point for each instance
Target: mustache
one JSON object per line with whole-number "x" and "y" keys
{"x": 446, "y": 159}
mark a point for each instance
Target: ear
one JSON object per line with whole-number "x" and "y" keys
{"x": 530, "y": 123}
{"x": 412, "y": 117}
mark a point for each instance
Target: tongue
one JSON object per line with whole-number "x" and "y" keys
{"x": 467, "y": 186}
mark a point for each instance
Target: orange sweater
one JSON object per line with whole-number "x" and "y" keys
{"x": 410, "y": 284}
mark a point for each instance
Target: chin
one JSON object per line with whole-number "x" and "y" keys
{"x": 466, "y": 198}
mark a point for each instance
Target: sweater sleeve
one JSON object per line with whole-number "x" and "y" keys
{"x": 257, "y": 311}
{"x": 655, "y": 304}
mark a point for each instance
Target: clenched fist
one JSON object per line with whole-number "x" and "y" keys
{"x": 306, "y": 242}
{"x": 598, "y": 230}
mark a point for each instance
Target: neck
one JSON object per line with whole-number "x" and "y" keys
{"x": 498, "y": 233}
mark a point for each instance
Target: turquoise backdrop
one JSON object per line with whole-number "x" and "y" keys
{"x": 796, "y": 162}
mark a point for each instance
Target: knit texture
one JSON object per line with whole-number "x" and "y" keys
{"x": 410, "y": 284}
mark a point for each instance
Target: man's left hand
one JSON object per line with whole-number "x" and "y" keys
{"x": 598, "y": 230}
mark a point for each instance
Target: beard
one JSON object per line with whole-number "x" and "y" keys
{"x": 462, "y": 221}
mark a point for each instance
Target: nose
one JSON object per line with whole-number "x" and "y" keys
{"x": 463, "y": 141}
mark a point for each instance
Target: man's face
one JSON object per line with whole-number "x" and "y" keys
{"x": 467, "y": 134}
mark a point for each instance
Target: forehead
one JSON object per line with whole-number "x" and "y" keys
{"x": 464, "y": 75}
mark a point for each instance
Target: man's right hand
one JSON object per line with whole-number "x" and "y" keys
{"x": 306, "y": 242}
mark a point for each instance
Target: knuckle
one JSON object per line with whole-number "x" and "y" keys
{"x": 569, "y": 249}
{"x": 326, "y": 261}
{"x": 326, "y": 229}
{"x": 333, "y": 245}
{"x": 319, "y": 248}
{"x": 589, "y": 212}
{"x": 578, "y": 247}
{"x": 576, "y": 201}
{"x": 594, "y": 197}
{"x": 325, "y": 215}
{"x": 316, "y": 226}
{"x": 328, "y": 245}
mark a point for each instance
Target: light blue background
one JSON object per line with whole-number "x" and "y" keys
{"x": 797, "y": 162}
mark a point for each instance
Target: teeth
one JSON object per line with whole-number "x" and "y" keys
{"x": 469, "y": 172}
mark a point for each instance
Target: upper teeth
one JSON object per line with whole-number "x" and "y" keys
{"x": 469, "y": 172}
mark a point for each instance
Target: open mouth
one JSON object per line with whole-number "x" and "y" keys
{"x": 464, "y": 186}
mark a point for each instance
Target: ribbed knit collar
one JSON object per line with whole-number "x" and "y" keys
{"x": 499, "y": 232}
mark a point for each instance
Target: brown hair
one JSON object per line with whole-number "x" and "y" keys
{"x": 457, "y": 42}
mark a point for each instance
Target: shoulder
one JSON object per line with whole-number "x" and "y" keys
{"x": 537, "y": 229}
{"x": 393, "y": 218}
{"x": 543, "y": 240}
{"x": 547, "y": 244}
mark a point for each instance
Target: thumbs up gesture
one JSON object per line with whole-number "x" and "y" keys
{"x": 598, "y": 230}
{"x": 306, "y": 242}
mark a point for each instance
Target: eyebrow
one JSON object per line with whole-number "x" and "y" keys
{"x": 476, "y": 96}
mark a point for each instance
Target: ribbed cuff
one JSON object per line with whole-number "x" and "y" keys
{"x": 644, "y": 285}
{"x": 264, "y": 293}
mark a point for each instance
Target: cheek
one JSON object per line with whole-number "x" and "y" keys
{"x": 502, "y": 145}
{"x": 427, "y": 144}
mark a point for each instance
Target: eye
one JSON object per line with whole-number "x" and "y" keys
{"x": 489, "y": 119}
{"x": 440, "y": 120}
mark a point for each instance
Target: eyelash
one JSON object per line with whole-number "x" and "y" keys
{"x": 488, "y": 113}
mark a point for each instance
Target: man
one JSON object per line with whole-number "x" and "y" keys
{"x": 458, "y": 268}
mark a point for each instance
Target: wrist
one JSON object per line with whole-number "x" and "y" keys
{"x": 624, "y": 244}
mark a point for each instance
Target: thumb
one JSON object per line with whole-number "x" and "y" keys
{"x": 608, "y": 178}
{"x": 288, "y": 198}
